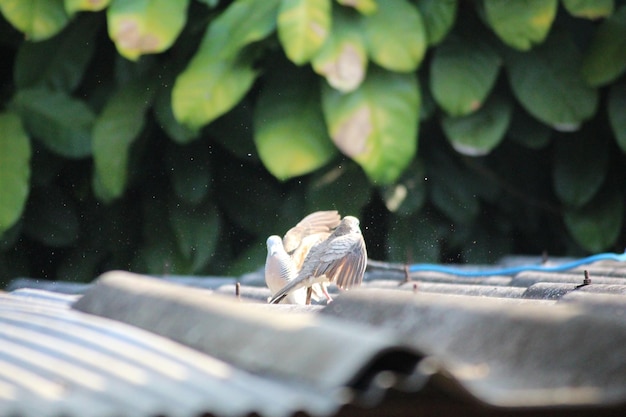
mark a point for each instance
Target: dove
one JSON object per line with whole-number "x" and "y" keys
{"x": 341, "y": 258}
{"x": 285, "y": 256}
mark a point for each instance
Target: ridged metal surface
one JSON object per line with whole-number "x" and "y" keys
{"x": 530, "y": 343}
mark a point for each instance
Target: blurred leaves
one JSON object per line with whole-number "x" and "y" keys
{"x": 37, "y": 19}
{"x": 289, "y": 126}
{"x": 548, "y": 83}
{"x": 303, "y": 26}
{"x": 61, "y": 122}
{"x": 174, "y": 137}
{"x": 377, "y": 124}
{"x": 145, "y": 26}
{"x": 605, "y": 59}
{"x": 115, "y": 130}
{"x": 521, "y": 24}
{"x": 15, "y": 152}
{"x": 480, "y": 132}
{"x": 463, "y": 72}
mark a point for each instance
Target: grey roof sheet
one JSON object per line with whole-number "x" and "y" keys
{"x": 136, "y": 346}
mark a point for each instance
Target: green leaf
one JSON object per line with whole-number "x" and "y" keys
{"x": 73, "y": 6}
{"x": 521, "y": 24}
{"x": 617, "y": 113}
{"x": 62, "y": 123}
{"x": 290, "y": 135}
{"x": 37, "y": 19}
{"x": 462, "y": 72}
{"x": 342, "y": 187}
{"x": 190, "y": 174}
{"x": 51, "y": 217}
{"x": 116, "y": 128}
{"x": 395, "y": 35}
{"x": 242, "y": 23}
{"x": 408, "y": 195}
{"x": 605, "y": 59}
{"x": 580, "y": 167}
{"x": 196, "y": 230}
{"x": 303, "y": 26}
{"x": 547, "y": 83}
{"x": 15, "y": 155}
{"x": 145, "y": 26}
{"x": 342, "y": 60}
{"x": 589, "y": 9}
{"x": 480, "y": 132}
{"x": 438, "y": 17}
{"x": 597, "y": 225}
{"x": 215, "y": 79}
{"x": 205, "y": 91}
{"x": 377, "y": 124}
{"x": 365, "y": 7}
{"x": 60, "y": 62}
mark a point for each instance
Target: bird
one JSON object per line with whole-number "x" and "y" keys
{"x": 286, "y": 256}
{"x": 341, "y": 258}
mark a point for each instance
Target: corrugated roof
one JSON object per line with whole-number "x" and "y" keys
{"x": 434, "y": 343}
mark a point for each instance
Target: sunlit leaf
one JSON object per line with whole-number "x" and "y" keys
{"x": 115, "y": 130}
{"x": 15, "y": 155}
{"x": 290, "y": 134}
{"x": 60, "y": 62}
{"x": 197, "y": 231}
{"x": 145, "y": 26}
{"x": 51, "y": 217}
{"x": 605, "y": 59}
{"x": 72, "y": 6}
{"x": 521, "y": 24}
{"x": 37, "y": 19}
{"x": 597, "y": 225}
{"x": 617, "y": 113}
{"x": 589, "y": 9}
{"x": 62, "y": 123}
{"x": 216, "y": 79}
{"x": 548, "y": 84}
{"x": 377, "y": 124}
{"x": 480, "y": 132}
{"x": 303, "y": 26}
{"x": 395, "y": 35}
{"x": 438, "y": 17}
{"x": 580, "y": 167}
{"x": 365, "y": 7}
{"x": 342, "y": 60}
{"x": 462, "y": 72}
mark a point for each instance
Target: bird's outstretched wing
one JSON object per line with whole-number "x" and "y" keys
{"x": 318, "y": 222}
{"x": 343, "y": 261}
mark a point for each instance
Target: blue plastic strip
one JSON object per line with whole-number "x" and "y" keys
{"x": 620, "y": 257}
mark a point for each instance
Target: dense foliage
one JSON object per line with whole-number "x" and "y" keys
{"x": 174, "y": 136}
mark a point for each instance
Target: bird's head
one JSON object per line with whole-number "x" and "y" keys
{"x": 349, "y": 224}
{"x": 274, "y": 244}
